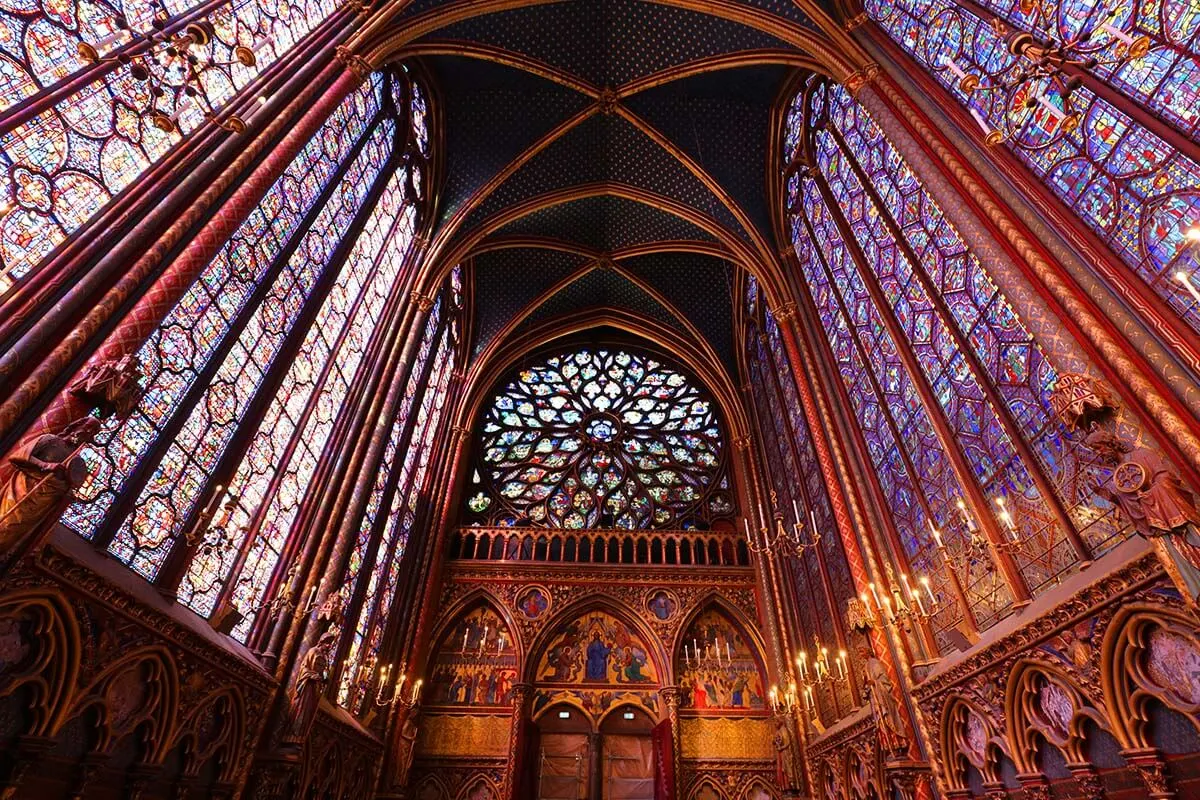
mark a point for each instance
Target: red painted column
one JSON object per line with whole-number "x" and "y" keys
{"x": 841, "y": 511}
{"x": 161, "y": 297}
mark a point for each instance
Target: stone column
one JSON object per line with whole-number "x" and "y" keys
{"x": 522, "y": 697}
{"x": 671, "y": 696}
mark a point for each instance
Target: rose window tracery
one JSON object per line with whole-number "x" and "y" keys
{"x": 600, "y": 438}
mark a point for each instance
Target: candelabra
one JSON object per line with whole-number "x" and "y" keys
{"x": 208, "y": 536}
{"x": 174, "y": 66}
{"x": 389, "y": 695}
{"x": 819, "y": 674}
{"x": 899, "y": 606}
{"x": 789, "y": 538}
{"x": 707, "y": 656}
{"x": 1047, "y": 66}
{"x": 971, "y": 550}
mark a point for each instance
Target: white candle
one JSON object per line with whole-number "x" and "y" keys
{"x": 686, "y": 658}
{"x": 875, "y": 594}
{"x": 925, "y": 583}
{"x": 795, "y": 511}
{"x": 937, "y": 535}
{"x": 1183, "y": 278}
{"x": 728, "y": 653}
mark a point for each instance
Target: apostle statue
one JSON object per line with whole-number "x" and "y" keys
{"x": 40, "y": 475}
{"x": 310, "y": 686}
{"x": 1150, "y": 494}
{"x": 786, "y": 763}
{"x": 878, "y": 691}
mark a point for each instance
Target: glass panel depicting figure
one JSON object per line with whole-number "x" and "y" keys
{"x": 1137, "y": 192}
{"x": 231, "y": 286}
{"x": 92, "y": 140}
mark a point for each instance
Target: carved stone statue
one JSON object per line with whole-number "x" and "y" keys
{"x": 41, "y": 472}
{"x": 110, "y": 387}
{"x": 785, "y": 755}
{"x": 310, "y": 685}
{"x": 878, "y": 691}
{"x": 1149, "y": 493}
{"x": 406, "y": 743}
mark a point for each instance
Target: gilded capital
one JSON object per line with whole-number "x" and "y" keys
{"x": 856, "y": 80}
{"x": 353, "y": 61}
{"x": 423, "y": 303}
{"x": 857, "y": 21}
{"x": 784, "y": 312}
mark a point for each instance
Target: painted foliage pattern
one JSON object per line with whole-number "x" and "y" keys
{"x": 1137, "y": 192}
{"x": 63, "y": 165}
{"x": 476, "y": 663}
{"x": 600, "y": 439}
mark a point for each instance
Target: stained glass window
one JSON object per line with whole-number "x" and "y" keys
{"x": 1136, "y": 191}
{"x": 936, "y": 295}
{"x": 78, "y": 147}
{"x": 227, "y": 301}
{"x": 600, "y": 438}
{"x": 368, "y": 629}
{"x": 261, "y": 351}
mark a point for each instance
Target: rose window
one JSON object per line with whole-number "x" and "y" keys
{"x": 600, "y": 439}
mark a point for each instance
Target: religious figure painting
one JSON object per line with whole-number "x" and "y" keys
{"x": 662, "y": 604}
{"x": 533, "y": 602}
{"x": 597, "y": 649}
{"x": 719, "y": 670}
{"x": 476, "y": 663}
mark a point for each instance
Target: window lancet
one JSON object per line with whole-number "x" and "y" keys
{"x": 1115, "y": 168}
{"x": 601, "y": 438}
{"x": 247, "y": 375}
{"x": 950, "y": 390}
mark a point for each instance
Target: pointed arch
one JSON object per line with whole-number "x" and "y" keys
{"x": 1044, "y": 701}
{"x": 471, "y": 790}
{"x": 611, "y": 606}
{"x": 969, "y": 739}
{"x": 50, "y": 667}
{"x": 1136, "y": 668}
{"x": 476, "y": 657}
{"x": 137, "y": 694}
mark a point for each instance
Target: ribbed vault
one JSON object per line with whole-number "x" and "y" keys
{"x": 607, "y": 154}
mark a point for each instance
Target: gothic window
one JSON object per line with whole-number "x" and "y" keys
{"x": 412, "y": 438}
{"x": 797, "y": 482}
{"x": 600, "y": 438}
{"x": 247, "y": 373}
{"x": 946, "y": 382}
{"x": 1107, "y": 150}
{"x": 66, "y": 149}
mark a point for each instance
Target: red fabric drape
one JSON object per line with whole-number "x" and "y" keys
{"x": 664, "y": 761}
{"x": 525, "y": 760}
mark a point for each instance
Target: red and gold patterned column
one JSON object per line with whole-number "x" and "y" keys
{"x": 153, "y": 306}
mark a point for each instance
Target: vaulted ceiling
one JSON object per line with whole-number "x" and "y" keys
{"x": 606, "y": 153}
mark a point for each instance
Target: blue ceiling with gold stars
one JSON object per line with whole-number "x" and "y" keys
{"x": 628, "y": 134}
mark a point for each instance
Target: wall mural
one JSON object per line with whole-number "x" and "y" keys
{"x": 719, "y": 669}
{"x": 476, "y": 663}
{"x": 599, "y": 650}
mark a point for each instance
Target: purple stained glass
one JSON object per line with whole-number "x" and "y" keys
{"x": 182, "y": 346}
{"x": 64, "y": 165}
{"x": 1135, "y": 191}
